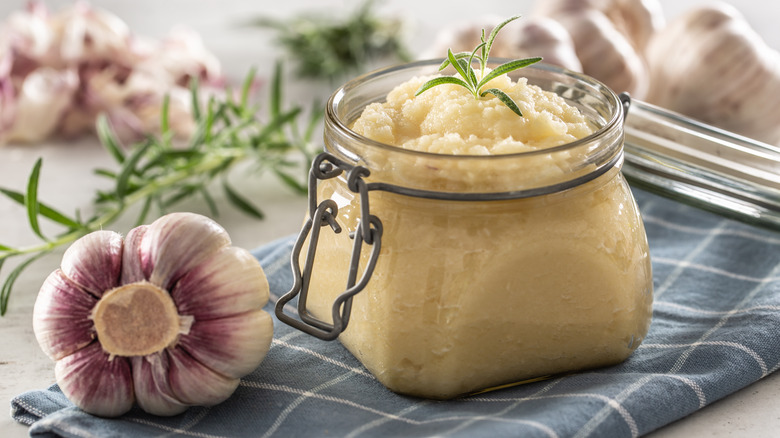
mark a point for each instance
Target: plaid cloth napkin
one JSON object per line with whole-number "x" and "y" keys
{"x": 716, "y": 329}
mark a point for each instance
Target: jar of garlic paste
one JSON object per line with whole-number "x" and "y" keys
{"x": 465, "y": 266}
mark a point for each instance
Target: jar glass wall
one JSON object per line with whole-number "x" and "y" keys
{"x": 493, "y": 269}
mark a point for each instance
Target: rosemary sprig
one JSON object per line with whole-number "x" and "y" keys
{"x": 326, "y": 48}
{"x": 463, "y": 64}
{"x": 156, "y": 173}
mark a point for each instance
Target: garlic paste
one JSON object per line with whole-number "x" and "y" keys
{"x": 469, "y": 295}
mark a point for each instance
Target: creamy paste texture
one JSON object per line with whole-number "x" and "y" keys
{"x": 447, "y": 119}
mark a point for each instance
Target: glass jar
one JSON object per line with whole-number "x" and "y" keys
{"x": 446, "y": 275}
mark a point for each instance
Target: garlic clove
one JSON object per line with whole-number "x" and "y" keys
{"x": 94, "y": 261}
{"x": 194, "y": 383}
{"x": 43, "y": 98}
{"x": 86, "y": 33}
{"x": 184, "y": 56}
{"x": 605, "y": 53}
{"x": 224, "y": 285}
{"x": 96, "y": 384}
{"x": 30, "y": 34}
{"x": 639, "y": 20}
{"x": 177, "y": 242}
{"x": 152, "y": 390}
{"x": 545, "y": 37}
{"x": 7, "y": 93}
{"x": 136, "y": 266}
{"x": 233, "y": 346}
{"x": 61, "y": 320}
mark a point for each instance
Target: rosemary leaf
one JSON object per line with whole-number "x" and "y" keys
{"x": 144, "y": 213}
{"x": 204, "y": 192}
{"x": 276, "y": 99}
{"x": 460, "y": 55}
{"x": 181, "y": 194}
{"x": 128, "y": 168}
{"x": 246, "y": 87}
{"x": 505, "y": 99}
{"x": 463, "y": 64}
{"x": 43, "y": 209}
{"x": 108, "y": 139}
{"x": 439, "y": 81}
{"x": 240, "y": 202}
{"x": 275, "y": 124}
{"x": 31, "y": 199}
{"x": 506, "y": 68}
{"x": 164, "y": 114}
{"x": 195, "y": 99}
{"x": 5, "y": 290}
{"x": 494, "y": 34}
{"x": 292, "y": 182}
{"x": 110, "y": 174}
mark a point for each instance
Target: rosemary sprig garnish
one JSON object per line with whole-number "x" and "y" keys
{"x": 154, "y": 173}
{"x": 463, "y": 64}
{"x": 326, "y": 48}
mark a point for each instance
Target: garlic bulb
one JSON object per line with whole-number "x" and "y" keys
{"x": 169, "y": 317}
{"x": 610, "y": 37}
{"x": 117, "y": 73}
{"x": 637, "y": 20}
{"x": 709, "y": 64}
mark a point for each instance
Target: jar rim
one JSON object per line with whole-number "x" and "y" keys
{"x": 332, "y": 117}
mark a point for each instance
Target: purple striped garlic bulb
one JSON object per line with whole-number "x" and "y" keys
{"x": 169, "y": 317}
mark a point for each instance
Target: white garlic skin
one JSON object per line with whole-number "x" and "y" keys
{"x": 710, "y": 65}
{"x": 610, "y": 37}
{"x": 605, "y": 53}
{"x": 218, "y": 290}
{"x": 637, "y": 20}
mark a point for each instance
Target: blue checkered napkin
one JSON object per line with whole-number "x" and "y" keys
{"x": 716, "y": 329}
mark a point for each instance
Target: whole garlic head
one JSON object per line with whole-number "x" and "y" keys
{"x": 637, "y": 20}
{"x": 709, "y": 64}
{"x": 610, "y": 37}
{"x": 169, "y": 317}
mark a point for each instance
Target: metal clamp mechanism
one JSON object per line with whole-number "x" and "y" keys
{"x": 368, "y": 231}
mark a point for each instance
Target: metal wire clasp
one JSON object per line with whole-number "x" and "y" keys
{"x": 368, "y": 231}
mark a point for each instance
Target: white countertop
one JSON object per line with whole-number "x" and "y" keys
{"x": 67, "y": 181}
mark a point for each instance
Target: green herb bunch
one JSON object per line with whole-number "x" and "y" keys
{"x": 463, "y": 63}
{"x": 330, "y": 49}
{"x": 156, "y": 174}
